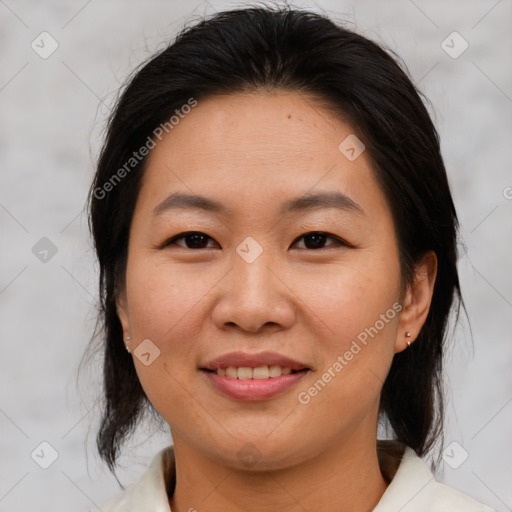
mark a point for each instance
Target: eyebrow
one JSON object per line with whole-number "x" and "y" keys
{"x": 310, "y": 201}
{"x": 321, "y": 200}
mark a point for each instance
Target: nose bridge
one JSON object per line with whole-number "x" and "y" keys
{"x": 253, "y": 278}
{"x": 252, "y": 295}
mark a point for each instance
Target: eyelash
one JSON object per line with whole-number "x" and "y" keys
{"x": 339, "y": 241}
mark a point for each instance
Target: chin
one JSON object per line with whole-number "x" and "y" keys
{"x": 260, "y": 453}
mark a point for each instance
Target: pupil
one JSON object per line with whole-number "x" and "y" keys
{"x": 317, "y": 238}
{"x": 196, "y": 240}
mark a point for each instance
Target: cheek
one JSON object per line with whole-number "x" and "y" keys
{"x": 360, "y": 306}
{"x": 162, "y": 303}
{"x": 349, "y": 299}
{"x": 163, "y": 299}
{"x": 168, "y": 304}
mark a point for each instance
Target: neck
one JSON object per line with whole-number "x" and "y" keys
{"x": 345, "y": 478}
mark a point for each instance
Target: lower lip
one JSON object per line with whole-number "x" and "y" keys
{"x": 254, "y": 389}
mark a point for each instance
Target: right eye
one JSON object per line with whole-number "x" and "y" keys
{"x": 192, "y": 240}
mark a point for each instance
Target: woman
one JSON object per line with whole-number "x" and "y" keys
{"x": 277, "y": 249}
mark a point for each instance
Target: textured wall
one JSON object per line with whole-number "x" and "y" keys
{"x": 52, "y": 113}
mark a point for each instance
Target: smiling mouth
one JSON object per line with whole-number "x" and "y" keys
{"x": 256, "y": 373}
{"x": 254, "y": 383}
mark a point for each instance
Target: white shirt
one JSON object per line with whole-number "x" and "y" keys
{"x": 413, "y": 487}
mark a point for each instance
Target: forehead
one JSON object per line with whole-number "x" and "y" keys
{"x": 282, "y": 125}
{"x": 256, "y": 148}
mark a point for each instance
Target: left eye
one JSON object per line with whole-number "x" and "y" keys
{"x": 317, "y": 239}
{"x": 193, "y": 240}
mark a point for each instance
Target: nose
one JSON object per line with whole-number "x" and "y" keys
{"x": 254, "y": 297}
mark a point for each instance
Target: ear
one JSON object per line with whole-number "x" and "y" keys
{"x": 122, "y": 313}
{"x": 416, "y": 304}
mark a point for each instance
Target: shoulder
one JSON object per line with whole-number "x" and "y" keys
{"x": 447, "y": 498}
{"x": 149, "y": 492}
{"x": 414, "y": 488}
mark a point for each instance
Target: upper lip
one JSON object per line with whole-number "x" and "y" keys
{"x": 239, "y": 359}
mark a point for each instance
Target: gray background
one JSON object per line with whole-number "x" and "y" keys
{"x": 52, "y": 114}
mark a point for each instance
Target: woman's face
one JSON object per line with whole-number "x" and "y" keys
{"x": 255, "y": 280}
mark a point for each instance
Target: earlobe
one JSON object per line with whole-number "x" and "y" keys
{"x": 417, "y": 301}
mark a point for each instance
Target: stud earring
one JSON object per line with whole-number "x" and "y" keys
{"x": 126, "y": 344}
{"x": 408, "y": 335}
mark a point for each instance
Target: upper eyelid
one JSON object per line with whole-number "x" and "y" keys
{"x": 184, "y": 235}
{"x": 337, "y": 239}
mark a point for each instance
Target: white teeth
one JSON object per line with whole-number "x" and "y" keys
{"x": 231, "y": 372}
{"x": 244, "y": 372}
{"x": 260, "y": 372}
{"x": 274, "y": 370}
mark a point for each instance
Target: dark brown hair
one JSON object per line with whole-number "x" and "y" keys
{"x": 284, "y": 48}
